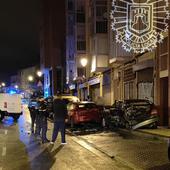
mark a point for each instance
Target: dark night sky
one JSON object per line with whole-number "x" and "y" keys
{"x": 19, "y": 35}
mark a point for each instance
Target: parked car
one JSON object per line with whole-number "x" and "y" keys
{"x": 134, "y": 113}
{"x": 83, "y": 112}
{"x": 10, "y": 105}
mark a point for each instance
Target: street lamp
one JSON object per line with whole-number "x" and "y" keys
{"x": 3, "y": 84}
{"x": 83, "y": 62}
{"x": 39, "y": 73}
{"x": 30, "y": 78}
{"x": 16, "y": 86}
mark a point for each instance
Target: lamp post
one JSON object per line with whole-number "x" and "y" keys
{"x": 16, "y": 86}
{"x": 30, "y": 78}
{"x": 3, "y": 84}
{"x": 83, "y": 62}
{"x": 3, "y": 87}
{"x": 40, "y": 82}
{"x": 39, "y": 73}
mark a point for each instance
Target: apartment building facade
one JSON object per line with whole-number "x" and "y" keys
{"x": 53, "y": 45}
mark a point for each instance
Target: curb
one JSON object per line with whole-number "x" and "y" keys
{"x": 93, "y": 145}
{"x": 146, "y": 134}
{"x": 130, "y": 165}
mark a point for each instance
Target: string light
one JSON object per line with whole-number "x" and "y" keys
{"x": 139, "y": 26}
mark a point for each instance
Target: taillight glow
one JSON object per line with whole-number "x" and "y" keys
{"x": 154, "y": 112}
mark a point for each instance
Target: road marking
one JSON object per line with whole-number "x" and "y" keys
{"x": 6, "y": 131}
{"x": 4, "y": 151}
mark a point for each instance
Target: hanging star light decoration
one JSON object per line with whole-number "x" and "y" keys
{"x": 139, "y": 25}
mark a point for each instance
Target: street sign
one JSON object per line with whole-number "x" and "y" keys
{"x": 39, "y": 84}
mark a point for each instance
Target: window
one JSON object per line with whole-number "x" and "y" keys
{"x": 100, "y": 11}
{"x": 80, "y": 17}
{"x": 129, "y": 90}
{"x": 70, "y": 5}
{"x": 81, "y": 45}
{"x": 101, "y": 27}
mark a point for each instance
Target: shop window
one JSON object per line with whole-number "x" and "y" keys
{"x": 129, "y": 90}
{"x": 129, "y": 74}
{"x": 163, "y": 54}
{"x": 145, "y": 90}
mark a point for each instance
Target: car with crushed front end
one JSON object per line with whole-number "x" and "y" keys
{"x": 132, "y": 114}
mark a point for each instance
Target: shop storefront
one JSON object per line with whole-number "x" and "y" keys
{"x": 95, "y": 89}
{"x": 107, "y": 87}
{"x": 163, "y": 81}
{"x": 145, "y": 76}
{"x": 83, "y": 91}
{"x": 73, "y": 89}
{"x": 129, "y": 77}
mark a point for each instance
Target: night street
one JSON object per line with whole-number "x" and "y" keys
{"x": 103, "y": 150}
{"x": 20, "y": 150}
{"x": 98, "y": 71}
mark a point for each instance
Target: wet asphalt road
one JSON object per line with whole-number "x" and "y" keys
{"x": 119, "y": 150}
{"x": 20, "y": 150}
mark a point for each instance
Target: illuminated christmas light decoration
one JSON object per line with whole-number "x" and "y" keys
{"x": 139, "y": 25}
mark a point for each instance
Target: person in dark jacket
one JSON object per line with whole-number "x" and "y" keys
{"x": 43, "y": 114}
{"x": 33, "y": 108}
{"x": 60, "y": 115}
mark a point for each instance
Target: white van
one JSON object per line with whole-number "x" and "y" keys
{"x": 10, "y": 105}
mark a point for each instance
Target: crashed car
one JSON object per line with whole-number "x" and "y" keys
{"x": 132, "y": 114}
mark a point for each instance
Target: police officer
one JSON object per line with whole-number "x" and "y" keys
{"x": 33, "y": 108}
{"x": 38, "y": 120}
{"x": 43, "y": 114}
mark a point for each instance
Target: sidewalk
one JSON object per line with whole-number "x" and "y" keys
{"x": 159, "y": 132}
{"x": 136, "y": 149}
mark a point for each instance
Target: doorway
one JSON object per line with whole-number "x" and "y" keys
{"x": 164, "y": 101}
